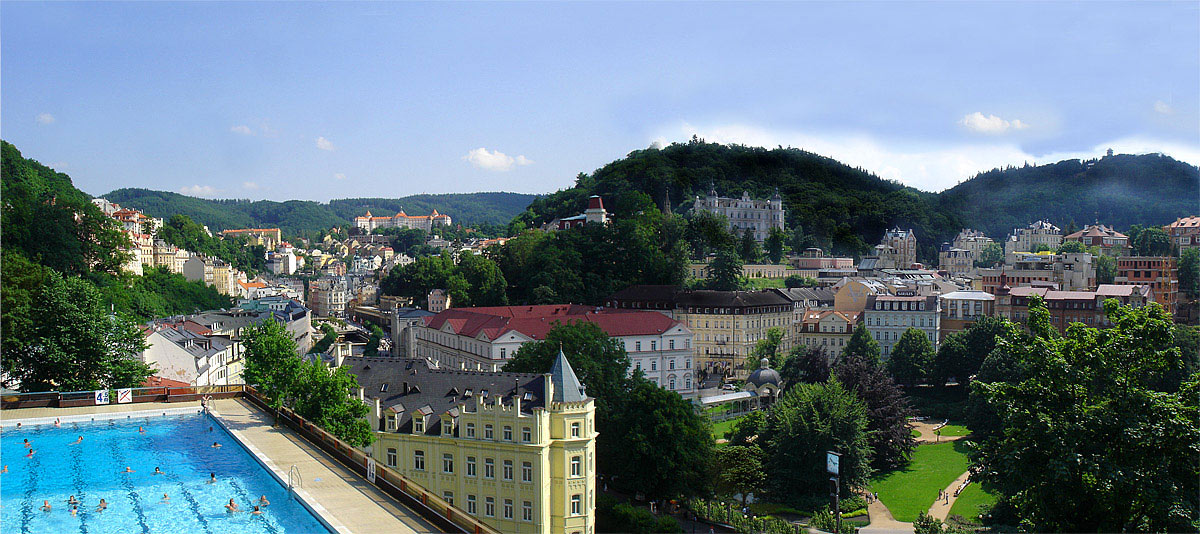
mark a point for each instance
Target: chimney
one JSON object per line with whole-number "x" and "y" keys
{"x": 378, "y": 410}
{"x": 362, "y": 394}
{"x": 404, "y": 391}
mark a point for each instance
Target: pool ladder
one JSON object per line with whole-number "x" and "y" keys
{"x": 294, "y": 479}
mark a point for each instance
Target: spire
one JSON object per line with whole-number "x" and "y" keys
{"x": 566, "y": 387}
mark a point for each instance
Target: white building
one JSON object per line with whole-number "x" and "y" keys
{"x": 1037, "y": 233}
{"x": 189, "y": 352}
{"x": 758, "y": 215}
{"x": 327, "y": 297}
{"x": 887, "y": 317}
{"x": 486, "y": 338}
{"x": 403, "y": 220}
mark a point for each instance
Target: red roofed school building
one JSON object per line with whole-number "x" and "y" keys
{"x": 369, "y": 222}
{"x": 485, "y": 338}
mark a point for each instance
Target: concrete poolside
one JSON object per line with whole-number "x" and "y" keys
{"x": 342, "y": 497}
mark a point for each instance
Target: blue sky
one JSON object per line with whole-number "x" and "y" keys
{"x": 335, "y": 100}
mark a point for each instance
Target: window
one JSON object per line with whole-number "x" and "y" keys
{"x": 576, "y": 463}
{"x": 507, "y": 433}
{"x": 488, "y": 433}
{"x": 471, "y": 504}
{"x": 575, "y": 430}
{"x": 418, "y": 425}
{"x": 503, "y": 353}
{"x": 526, "y": 511}
{"x": 576, "y": 504}
{"x": 391, "y": 423}
{"x": 508, "y": 509}
{"x": 671, "y": 344}
{"x": 470, "y": 466}
{"x": 447, "y": 463}
{"x": 687, "y": 383}
{"x": 470, "y": 430}
{"x": 672, "y": 386}
{"x": 489, "y": 468}
{"x": 637, "y": 346}
{"x": 391, "y": 457}
{"x": 508, "y": 470}
{"x": 526, "y": 472}
{"x": 671, "y": 364}
{"x": 448, "y": 427}
{"x": 526, "y": 435}
{"x": 448, "y": 496}
{"x": 653, "y": 365}
{"x": 654, "y": 345}
{"x": 489, "y": 506}
{"x": 419, "y": 460}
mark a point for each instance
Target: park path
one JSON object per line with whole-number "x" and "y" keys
{"x": 927, "y": 435}
{"x": 882, "y": 521}
{"x": 941, "y": 508}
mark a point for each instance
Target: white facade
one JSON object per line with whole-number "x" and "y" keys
{"x": 887, "y": 317}
{"x": 745, "y": 212}
{"x": 665, "y": 359}
{"x": 1038, "y": 233}
{"x": 195, "y": 359}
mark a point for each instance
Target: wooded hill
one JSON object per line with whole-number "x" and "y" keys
{"x": 847, "y": 209}
{"x": 302, "y": 216}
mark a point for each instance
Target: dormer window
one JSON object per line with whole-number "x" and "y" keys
{"x": 483, "y": 393}
{"x": 391, "y": 423}
{"x": 528, "y": 396}
{"x": 383, "y": 388}
{"x": 467, "y": 393}
{"x": 448, "y": 427}
{"x": 419, "y": 424}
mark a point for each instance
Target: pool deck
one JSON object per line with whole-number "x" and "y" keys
{"x": 342, "y": 497}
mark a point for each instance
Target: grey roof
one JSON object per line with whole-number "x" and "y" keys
{"x": 200, "y": 346}
{"x": 438, "y": 391}
{"x": 764, "y": 375}
{"x": 566, "y": 387}
{"x": 806, "y": 294}
{"x": 413, "y": 313}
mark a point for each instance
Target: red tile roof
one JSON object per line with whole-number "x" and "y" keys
{"x": 536, "y": 321}
{"x": 160, "y": 382}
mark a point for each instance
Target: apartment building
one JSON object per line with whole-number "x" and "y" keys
{"x": 897, "y": 249}
{"x": 427, "y": 223}
{"x": 189, "y": 352}
{"x": 486, "y": 338}
{"x": 827, "y": 330}
{"x": 725, "y": 325}
{"x": 1037, "y": 233}
{"x": 960, "y": 309}
{"x": 327, "y": 297}
{"x": 1068, "y": 307}
{"x": 1069, "y": 272}
{"x": 1110, "y": 242}
{"x": 1161, "y": 273}
{"x": 1184, "y": 232}
{"x": 757, "y": 215}
{"x": 515, "y": 450}
{"x": 887, "y": 317}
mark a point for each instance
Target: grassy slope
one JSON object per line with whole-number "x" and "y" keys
{"x": 914, "y": 488}
{"x": 969, "y": 502}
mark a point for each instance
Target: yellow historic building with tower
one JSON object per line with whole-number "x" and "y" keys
{"x": 516, "y": 450}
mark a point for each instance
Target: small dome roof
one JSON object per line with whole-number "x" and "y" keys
{"x": 764, "y": 375}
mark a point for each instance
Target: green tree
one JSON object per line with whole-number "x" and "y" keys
{"x": 796, "y": 280}
{"x": 774, "y": 245}
{"x": 725, "y": 272}
{"x": 707, "y": 232}
{"x": 740, "y": 471}
{"x": 371, "y": 350}
{"x": 1041, "y": 247}
{"x": 327, "y": 340}
{"x": 72, "y": 343}
{"x": 749, "y": 426}
{"x": 485, "y": 280}
{"x": 808, "y": 420}
{"x": 862, "y": 344}
{"x": 1106, "y": 269}
{"x": 767, "y": 347}
{"x": 1071, "y": 247}
{"x": 272, "y": 365}
{"x": 748, "y": 248}
{"x": 1152, "y": 241}
{"x": 1085, "y": 444}
{"x": 1189, "y": 272}
{"x": 991, "y": 254}
{"x": 961, "y": 354}
{"x": 804, "y": 365}
{"x": 328, "y": 398}
{"x": 888, "y": 410}
{"x": 911, "y": 358}
{"x": 599, "y": 361}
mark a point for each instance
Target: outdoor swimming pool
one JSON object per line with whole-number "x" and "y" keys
{"x": 181, "y": 445}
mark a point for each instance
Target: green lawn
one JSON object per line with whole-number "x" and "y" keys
{"x": 719, "y": 429}
{"x": 969, "y": 501}
{"x": 764, "y": 283}
{"x": 954, "y": 430}
{"x": 914, "y": 488}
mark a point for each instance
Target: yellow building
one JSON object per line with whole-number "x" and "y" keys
{"x": 516, "y": 450}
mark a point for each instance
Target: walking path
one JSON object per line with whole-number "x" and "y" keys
{"x": 927, "y": 434}
{"x": 882, "y": 521}
{"x": 348, "y": 501}
{"x": 941, "y": 507}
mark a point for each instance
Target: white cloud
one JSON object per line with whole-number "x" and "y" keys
{"x": 494, "y": 160}
{"x": 199, "y": 190}
{"x": 925, "y": 166}
{"x": 339, "y": 176}
{"x": 990, "y": 124}
{"x": 45, "y": 118}
{"x": 1163, "y": 107}
{"x": 324, "y": 144}
{"x": 242, "y": 129}
{"x": 250, "y": 185}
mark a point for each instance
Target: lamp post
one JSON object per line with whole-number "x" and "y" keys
{"x": 832, "y": 464}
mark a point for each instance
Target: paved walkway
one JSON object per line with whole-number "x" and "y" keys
{"x": 882, "y": 521}
{"x": 941, "y": 508}
{"x": 346, "y": 497}
{"x": 927, "y": 435}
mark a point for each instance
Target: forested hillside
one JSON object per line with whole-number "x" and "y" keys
{"x": 302, "y": 217}
{"x": 846, "y": 210}
{"x": 1120, "y": 190}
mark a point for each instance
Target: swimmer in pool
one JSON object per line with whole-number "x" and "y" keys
{"x": 232, "y": 506}
{"x": 166, "y": 498}
{"x": 216, "y": 445}
{"x": 256, "y": 510}
{"x": 30, "y": 455}
{"x": 57, "y": 422}
{"x": 103, "y": 506}
{"x": 78, "y": 441}
{"x": 74, "y": 510}
{"x": 45, "y": 506}
{"x": 72, "y": 500}
{"x": 128, "y": 469}
{"x": 5, "y": 470}
{"x": 263, "y": 501}
{"x": 141, "y": 430}
{"x": 27, "y": 443}
{"x": 212, "y": 478}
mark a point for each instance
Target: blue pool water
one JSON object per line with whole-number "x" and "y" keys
{"x": 181, "y": 445}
